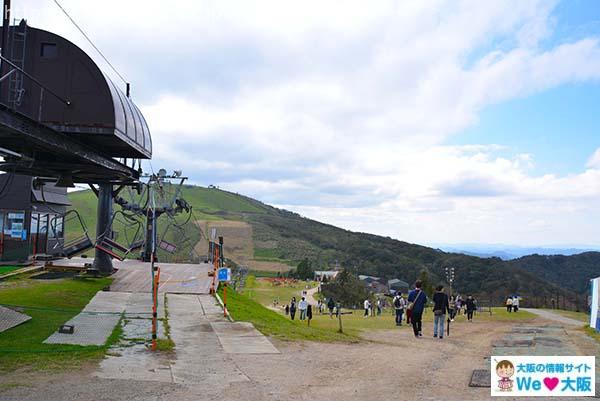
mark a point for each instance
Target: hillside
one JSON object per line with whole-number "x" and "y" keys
{"x": 572, "y": 271}
{"x": 258, "y": 233}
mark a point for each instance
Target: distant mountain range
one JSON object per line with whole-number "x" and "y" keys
{"x": 508, "y": 252}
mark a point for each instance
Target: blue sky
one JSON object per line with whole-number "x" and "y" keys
{"x": 436, "y": 121}
{"x": 560, "y": 127}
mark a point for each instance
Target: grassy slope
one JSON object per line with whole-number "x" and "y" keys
{"x": 276, "y": 325}
{"x": 58, "y": 301}
{"x": 265, "y": 291}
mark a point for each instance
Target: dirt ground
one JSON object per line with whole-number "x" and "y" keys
{"x": 388, "y": 365}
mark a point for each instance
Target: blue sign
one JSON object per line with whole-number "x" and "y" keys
{"x": 224, "y": 274}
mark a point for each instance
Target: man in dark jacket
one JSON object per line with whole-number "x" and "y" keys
{"x": 330, "y": 306}
{"x": 416, "y": 303}
{"x": 471, "y": 308}
{"x": 440, "y": 307}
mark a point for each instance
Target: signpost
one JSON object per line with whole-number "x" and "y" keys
{"x": 224, "y": 276}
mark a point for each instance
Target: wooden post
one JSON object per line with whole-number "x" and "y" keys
{"x": 225, "y": 299}
{"x": 339, "y": 312}
{"x": 155, "y": 307}
{"x": 213, "y": 289}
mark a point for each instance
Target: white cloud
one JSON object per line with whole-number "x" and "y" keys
{"x": 341, "y": 112}
{"x": 594, "y": 161}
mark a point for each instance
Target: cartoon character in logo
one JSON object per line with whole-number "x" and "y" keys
{"x": 505, "y": 369}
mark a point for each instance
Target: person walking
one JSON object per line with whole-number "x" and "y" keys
{"x": 509, "y": 304}
{"x": 470, "y": 308}
{"x": 441, "y": 305}
{"x": 515, "y": 303}
{"x": 293, "y": 308}
{"x": 302, "y": 306}
{"x": 452, "y": 308}
{"x": 330, "y": 306}
{"x": 399, "y": 305}
{"x": 457, "y": 302}
{"x": 367, "y": 306}
{"x": 416, "y": 303}
{"x": 378, "y": 307}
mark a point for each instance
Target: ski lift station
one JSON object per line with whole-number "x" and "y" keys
{"x": 62, "y": 121}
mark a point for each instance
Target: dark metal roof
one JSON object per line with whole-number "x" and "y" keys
{"x": 98, "y": 115}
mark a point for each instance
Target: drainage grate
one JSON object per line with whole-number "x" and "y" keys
{"x": 480, "y": 378}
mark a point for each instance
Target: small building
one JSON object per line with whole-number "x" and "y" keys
{"x": 395, "y": 285}
{"x": 373, "y": 284}
{"x": 328, "y": 274}
{"x": 31, "y": 220}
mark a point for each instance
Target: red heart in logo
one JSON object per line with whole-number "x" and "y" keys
{"x": 551, "y": 382}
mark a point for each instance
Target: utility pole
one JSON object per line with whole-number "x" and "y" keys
{"x": 450, "y": 277}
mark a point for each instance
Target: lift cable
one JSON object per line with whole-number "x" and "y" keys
{"x": 90, "y": 41}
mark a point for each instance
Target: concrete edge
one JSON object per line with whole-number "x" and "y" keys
{"x": 28, "y": 269}
{"x": 223, "y": 306}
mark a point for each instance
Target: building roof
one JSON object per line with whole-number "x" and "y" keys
{"x": 326, "y": 272}
{"x": 398, "y": 282}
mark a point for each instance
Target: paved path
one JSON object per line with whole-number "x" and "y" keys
{"x": 310, "y": 295}
{"x": 549, "y": 315}
{"x": 204, "y": 342}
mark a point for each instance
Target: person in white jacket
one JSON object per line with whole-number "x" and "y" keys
{"x": 399, "y": 305}
{"x": 302, "y": 306}
{"x": 367, "y": 306}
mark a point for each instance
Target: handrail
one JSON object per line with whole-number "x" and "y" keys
{"x": 41, "y": 85}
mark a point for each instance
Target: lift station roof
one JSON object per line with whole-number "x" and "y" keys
{"x": 79, "y": 101}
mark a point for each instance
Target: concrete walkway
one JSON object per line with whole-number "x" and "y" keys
{"x": 549, "y": 315}
{"x": 204, "y": 341}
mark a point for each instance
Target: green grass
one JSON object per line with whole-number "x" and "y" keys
{"x": 276, "y": 325}
{"x": 8, "y": 269}
{"x": 265, "y": 291}
{"x": 501, "y": 314}
{"x": 269, "y": 253}
{"x": 592, "y": 332}
{"x": 50, "y": 304}
{"x": 166, "y": 344}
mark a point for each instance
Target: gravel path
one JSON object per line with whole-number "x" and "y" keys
{"x": 549, "y": 315}
{"x": 388, "y": 365}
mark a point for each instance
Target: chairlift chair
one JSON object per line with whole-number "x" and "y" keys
{"x": 115, "y": 249}
{"x": 76, "y": 245}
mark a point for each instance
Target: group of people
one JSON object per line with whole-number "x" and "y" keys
{"x": 303, "y": 308}
{"x": 414, "y": 306}
{"x": 372, "y": 309}
{"x": 512, "y": 304}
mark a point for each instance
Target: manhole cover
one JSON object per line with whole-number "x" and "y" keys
{"x": 480, "y": 378}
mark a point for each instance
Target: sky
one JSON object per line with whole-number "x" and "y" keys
{"x": 429, "y": 122}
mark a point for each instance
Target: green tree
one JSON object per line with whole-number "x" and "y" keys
{"x": 426, "y": 282}
{"x": 346, "y": 289}
{"x": 304, "y": 270}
